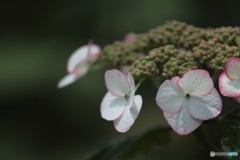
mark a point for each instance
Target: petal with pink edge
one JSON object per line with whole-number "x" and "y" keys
{"x": 116, "y": 82}
{"x": 82, "y": 67}
{"x": 228, "y": 87}
{"x": 131, "y": 81}
{"x": 67, "y": 80}
{"x": 170, "y": 97}
{"x": 112, "y": 107}
{"x": 196, "y": 82}
{"x": 237, "y": 99}
{"x": 94, "y": 50}
{"x": 205, "y": 107}
{"x": 81, "y": 54}
{"x": 76, "y": 57}
{"x": 126, "y": 120}
{"x": 232, "y": 68}
{"x": 182, "y": 122}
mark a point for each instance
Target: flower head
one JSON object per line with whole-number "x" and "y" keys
{"x": 229, "y": 80}
{"x": 120, "y": 103}
{"x": 79, "y": 63}
{"x": 189, "y": 100}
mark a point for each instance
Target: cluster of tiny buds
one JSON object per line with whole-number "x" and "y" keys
{"x": 173, "y": 49}
{"x": 144, "y": 67}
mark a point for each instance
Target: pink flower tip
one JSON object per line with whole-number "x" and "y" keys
{"x": 79, "y": 63}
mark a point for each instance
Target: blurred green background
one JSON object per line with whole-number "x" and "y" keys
{"x": 39, "y": 121}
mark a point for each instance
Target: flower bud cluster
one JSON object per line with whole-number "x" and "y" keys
{"x": 225, "y": 35}
{"x": 178, "y": 65}
{"x": 120, "y": 53}
{"x": 144, "y": 67}
{"x": 175, "y": 48}
{"x": 224, "y": 52}
{"x": 178, "y": 34}
{"x": 205, "y": 51}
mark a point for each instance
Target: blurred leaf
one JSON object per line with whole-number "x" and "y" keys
{"x": 231, "y": 132}
{"x": 130, "y": 145}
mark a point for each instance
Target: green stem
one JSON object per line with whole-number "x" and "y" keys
{"x": 139, "y": 83}
{"x": 97, "y": 66}
{"x": 156, "y": 83}
{"x": 216, "y": 75}
{"x": 206, "y": 142}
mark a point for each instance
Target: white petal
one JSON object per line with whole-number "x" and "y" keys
{"x": 117, "y": 82}
{"x": 205, "y": 107}
{"x": 80, "y": 54}
{"x": 170, "y": 97}
{"x": 68, "y": 79}
{"x": 112, "y": 107}
{"x": 237, "y": 99}
{"x": 82, "y": 67}
{"x": 131, "y": 81}
{"x": 76, "y": 57}
{"x": 126, "y": 120}
{"x": 196, "y": 82}
{"x": 232, "y": 68}
{"x": 182, "y": 122}
{"x": 229, "y": 88}
{"x": 94, "y": 50}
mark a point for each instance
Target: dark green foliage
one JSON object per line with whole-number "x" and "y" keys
{"x": 231, "y": 132}
{"x": 132, "y": 145}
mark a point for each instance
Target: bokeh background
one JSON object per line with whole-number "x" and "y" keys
{"x": 39, "y": 121}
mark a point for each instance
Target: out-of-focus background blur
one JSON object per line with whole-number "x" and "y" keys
{"x": 39, "y": 121}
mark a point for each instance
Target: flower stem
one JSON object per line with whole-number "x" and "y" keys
{"x": 139, "y": 83}
{"x": 216, "y": 75}
{"x": 97, "y": 66}
{"x": 206, "y": 142}
{"x": 156, "y": 83}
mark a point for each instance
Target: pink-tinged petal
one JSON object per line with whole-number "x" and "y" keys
{"x": 68, "y": 79}
{"x": 117, "y": 82}
{"x": 131, "y": 98}
{"x": 237, "y": 99}
{"x": 81, "y": 54}
{"x": 94, "y": 50}
{"x": 205, "y": 107}
{"x": 129, "y": 37}
{"x": 175, "y": 79}
{"x": 232, "y": 68}
{"x": 196, "y": 82}
{"x": 182, "y": 122}
{"x": 131, "y": 82}
{"x": 76, "y": 57}
{"x": 170, "y": 97}
{"x": 82, "y": 67}
{"x": 126, "y": 120}
{"x": 112, "y": 107}
{"x": 228, "y": 87}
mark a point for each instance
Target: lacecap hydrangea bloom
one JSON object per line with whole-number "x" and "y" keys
{"x": 120, "y": 104}
{"x": 188, "y": 101}
{"x": 79, "y": 63}
{"x": 229, "y": 81}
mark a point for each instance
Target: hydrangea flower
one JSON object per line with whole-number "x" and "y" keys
{"x": 79, "y": 63}
{"x": 188, "y": 101}
{"x": 120, "y": 103}
{"x": 229, "y": 83}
